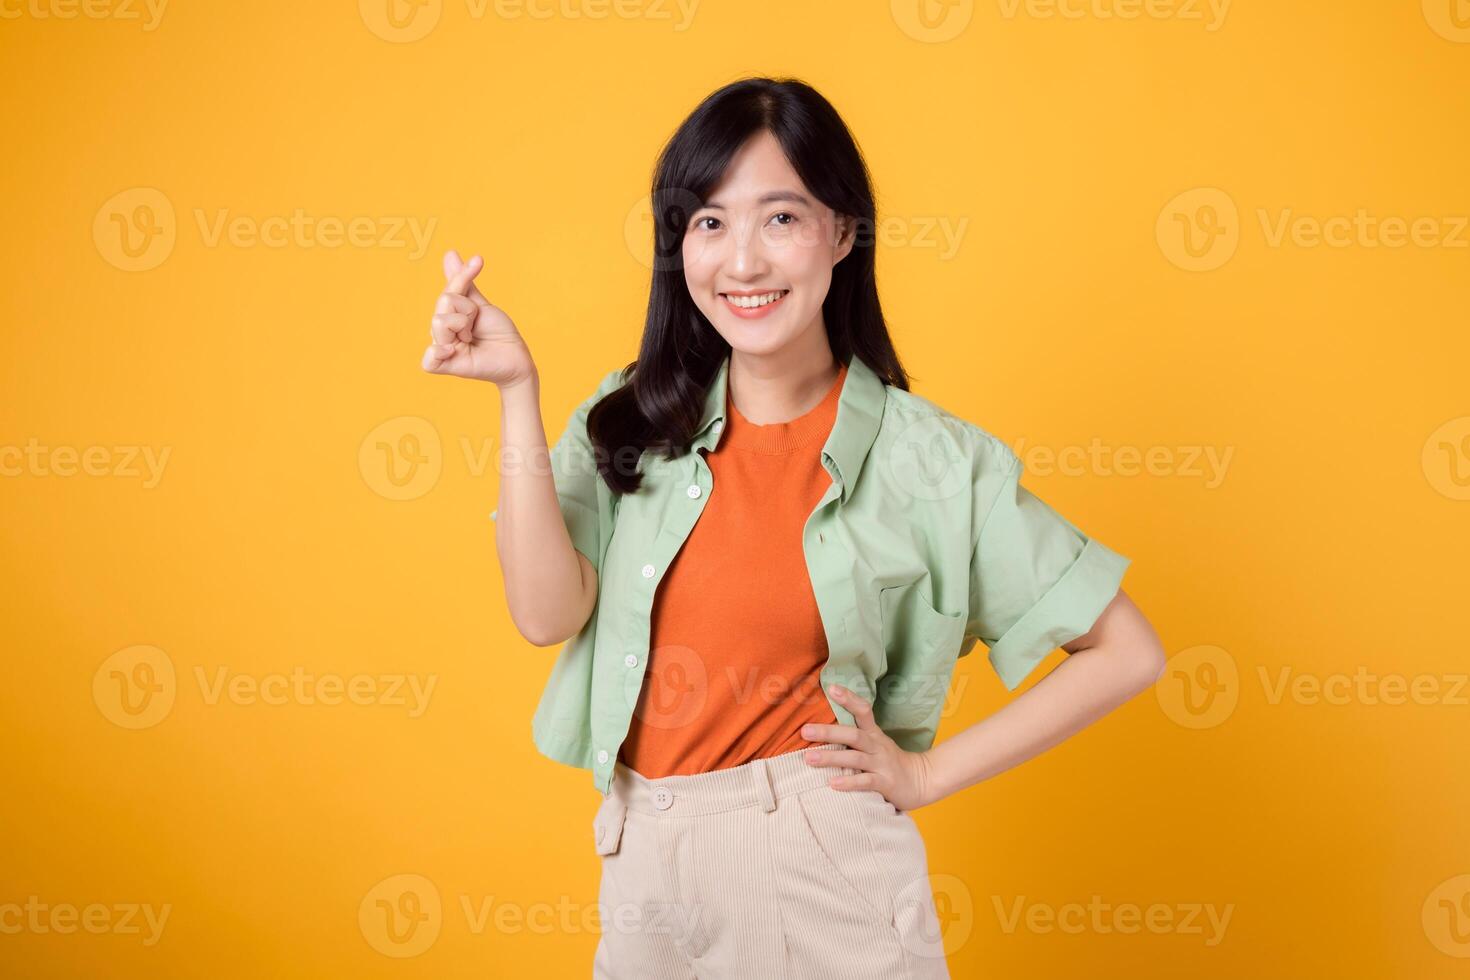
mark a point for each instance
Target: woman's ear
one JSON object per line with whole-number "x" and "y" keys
{"x": 846, "y": 236}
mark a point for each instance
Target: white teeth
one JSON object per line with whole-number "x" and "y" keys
{"x": 751, "y": 302}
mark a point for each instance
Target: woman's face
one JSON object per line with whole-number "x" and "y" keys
{"x": 762, "y": 235}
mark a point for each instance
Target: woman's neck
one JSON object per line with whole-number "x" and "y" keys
{"x": 775, "y": 388}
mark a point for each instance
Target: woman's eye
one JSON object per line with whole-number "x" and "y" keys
{"x": 699, "y": 223}
{"x": 787, "y": 214}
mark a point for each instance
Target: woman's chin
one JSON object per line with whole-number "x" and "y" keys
{"x": 749, "y": 340}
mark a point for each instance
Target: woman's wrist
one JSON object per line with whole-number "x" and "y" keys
{"x": 527, "y": 387}
{"x": 933, "y": 788}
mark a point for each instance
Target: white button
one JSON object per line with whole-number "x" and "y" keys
{"x": 693, "y": 490}
{"x": 602, "y": 757}
{"x": 719, "y": 424}
{"x": 493, "y": 513}
{"x": 663, "y": 798}
{"x": 631, "y": 660}
{"x": 648, "y": 571}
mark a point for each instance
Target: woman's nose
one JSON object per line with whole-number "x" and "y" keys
{"x": 747, "y": 254}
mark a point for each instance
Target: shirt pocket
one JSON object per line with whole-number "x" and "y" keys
{"x": 920, "y": 646}
{"x": 914, "y": 632}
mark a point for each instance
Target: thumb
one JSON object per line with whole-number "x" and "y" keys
{"x": 460, "y": 276}
{"x": 474, "y": 289}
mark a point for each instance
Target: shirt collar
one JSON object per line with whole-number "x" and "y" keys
{"x": 859, "y": 411}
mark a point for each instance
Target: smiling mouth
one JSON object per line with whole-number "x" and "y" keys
{"x": 755, "y": 301}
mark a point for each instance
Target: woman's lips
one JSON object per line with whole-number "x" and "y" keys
{"x": 753, "y": 312}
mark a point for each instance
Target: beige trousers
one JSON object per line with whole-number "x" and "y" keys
{"x": 761, "y": 872}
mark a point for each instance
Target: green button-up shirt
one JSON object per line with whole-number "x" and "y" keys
{"x": 924, "y": 543}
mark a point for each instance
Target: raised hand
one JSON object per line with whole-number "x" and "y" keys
{"x": 472, "y": 338}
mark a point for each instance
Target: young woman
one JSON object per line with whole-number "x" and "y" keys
{"x": 767, "y": 554}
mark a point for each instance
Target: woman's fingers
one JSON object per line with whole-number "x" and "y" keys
{"x": 862, "y": 711}
{"x": 476, "y": 296}
{"x": 436, "y": 356}
{"x": 454, "y": 312}
{"x": 460, "y": 275}
{"x": 460, "y": 309}
{"x": 452, "y": 264}
{"x": 446, "y": 328}
{"x": 454, "y": 303}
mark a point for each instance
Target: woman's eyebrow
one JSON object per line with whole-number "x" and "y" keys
{"x": 795, "y": 197}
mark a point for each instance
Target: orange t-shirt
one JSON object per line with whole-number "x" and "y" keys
{"x": 736, "y": 644}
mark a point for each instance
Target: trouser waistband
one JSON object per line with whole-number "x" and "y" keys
{"x": 759, "y": 781}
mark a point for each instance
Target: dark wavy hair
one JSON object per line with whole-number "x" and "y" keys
{"x": 661, "y": 400}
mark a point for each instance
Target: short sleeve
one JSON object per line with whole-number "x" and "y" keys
{"x": 1036, "y": 581}
{"x": 582, "y": 494}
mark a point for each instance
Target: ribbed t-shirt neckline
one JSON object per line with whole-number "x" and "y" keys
{"x": 778, "y": 438}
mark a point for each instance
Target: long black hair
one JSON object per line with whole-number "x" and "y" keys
{"x": 661, "y": 401}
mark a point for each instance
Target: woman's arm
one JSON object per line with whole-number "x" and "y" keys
{"x": 550, "y": 587}
{"x": 1119, "y": 657}
{"x": 1110, "y": 663}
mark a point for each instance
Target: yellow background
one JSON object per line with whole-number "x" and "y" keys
{"x": 1331, "y": 829}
